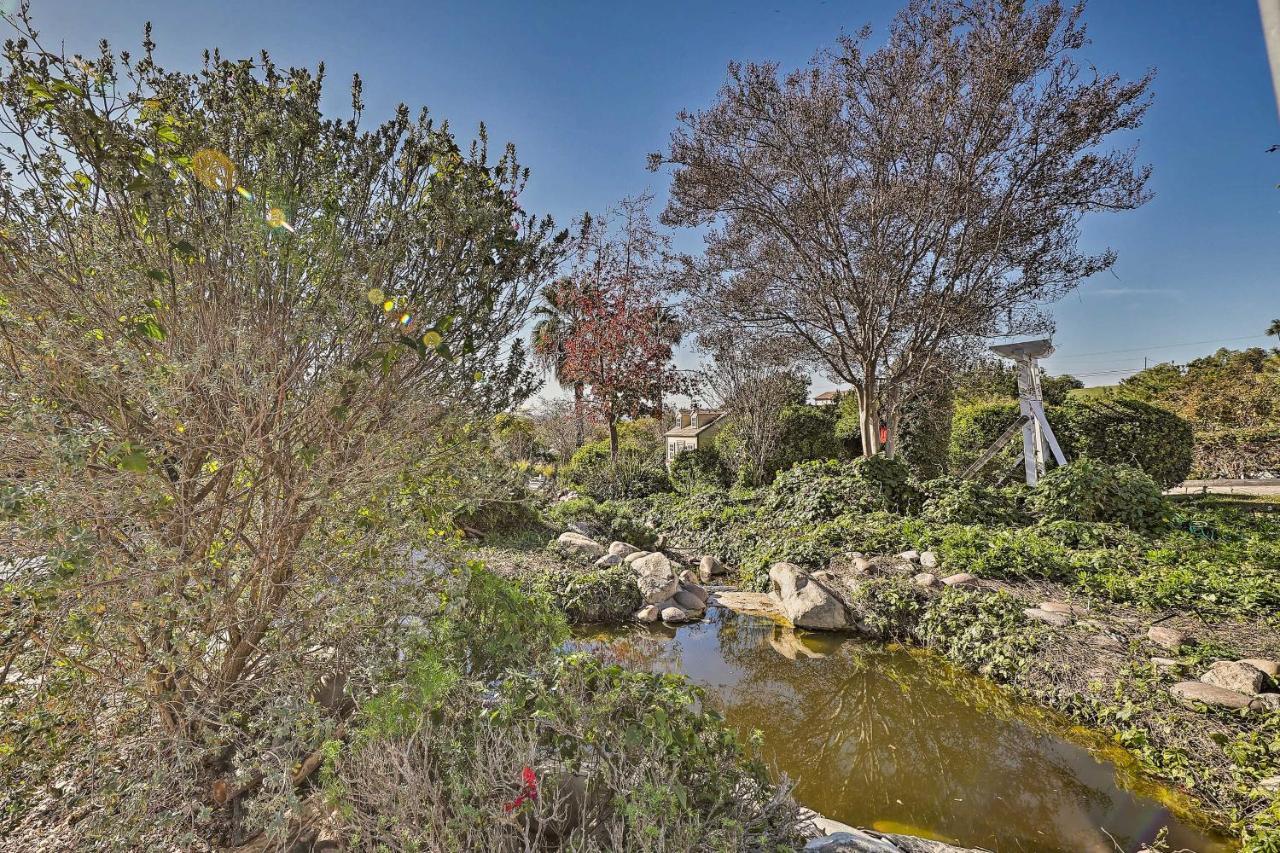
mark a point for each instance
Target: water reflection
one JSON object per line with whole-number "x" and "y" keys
{"x": 897, "y": 740}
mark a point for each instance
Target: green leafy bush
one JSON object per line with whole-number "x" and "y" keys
{"x": 982, "y": 631}
{"x": 1087, "y": 490}
{"x": 589, "y": 595}
{"x": 1126, "y": 431}
{"x": 635, "y": 473}
{"x": 822, "y": 489}
{"x": 576, "y": 755}
{"x": 701, "y": 468}
{"x": 951, "y": 500}
{"x": 887, "y": 607}
{"x": 607, "y": 520}
{"x": 975, "y": 427}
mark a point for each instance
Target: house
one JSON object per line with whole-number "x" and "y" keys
{"x": 696, "y": 430}
{"x": 827, "y": 398}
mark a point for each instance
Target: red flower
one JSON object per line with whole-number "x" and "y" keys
{"x": 530, "y": 791}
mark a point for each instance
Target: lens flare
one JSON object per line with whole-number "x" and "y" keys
{"x": 375, "y": 296}
{"x": 244, "y": 193}
{"x": 405, "y": 318}
{"x": 275, "y": 218}
{"x": 214, "y": 169}
{"x": 432, "y": 339}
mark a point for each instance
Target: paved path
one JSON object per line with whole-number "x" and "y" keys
{"x": 1267, "y": 488}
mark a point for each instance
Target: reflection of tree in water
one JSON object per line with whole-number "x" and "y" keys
{"x": 875, "y": 734}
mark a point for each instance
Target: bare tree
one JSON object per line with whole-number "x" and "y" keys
{"x": 751, "y": 382}
{"x": 878, "y": 207}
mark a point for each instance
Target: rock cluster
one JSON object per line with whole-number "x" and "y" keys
{"x": 1236, "y": 684}
{"x": 668, "y": 596}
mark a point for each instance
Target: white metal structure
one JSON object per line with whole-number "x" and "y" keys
{"x": 1035, "y": 426}
{"x": 1271, "y": 31}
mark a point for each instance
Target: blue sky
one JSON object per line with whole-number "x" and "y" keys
{"x": 587, "y": 89}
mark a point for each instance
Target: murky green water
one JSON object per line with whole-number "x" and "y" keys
{"x": 897, "y": 740}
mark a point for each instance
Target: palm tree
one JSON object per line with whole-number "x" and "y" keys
{"x": 558, "y": 314}
{"x": 1274, "y": 328}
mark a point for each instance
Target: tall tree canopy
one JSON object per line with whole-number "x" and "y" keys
{"x": 885, "y": 208}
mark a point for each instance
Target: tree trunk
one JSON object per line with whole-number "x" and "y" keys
{"x": 869, "y": 417}
{"x": 613, "y": 440}
{"x": 578, "y": 393}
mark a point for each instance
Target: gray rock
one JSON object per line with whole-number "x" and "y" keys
{"x": 961, "y": 579}
{"x": 1265, "y": 702}
{"x": 709, "y": 567}
{"x": 632, "y": 557}
{"x": 928, "y": 560}
{"x": 689, "y": 602}
{"x": 862, "y": 841}
{"x": 622, "y": 549}
{"x": 696, "y": 590}
{"x": 803, "y": 601}
{"x": 579, "y": 528}
{"x": 655, "y": 578}
{"x": 608, "y": 560}
{"x": 1271, "y": 783}
{"x": 674, "y": 615}
{"x": 1049, "y": 617}
{"x": 649, "y": 613}
{"x": 1191, "y": 693}
{"x": 1166, "y": 663}
{"x": 1235, "y": 675}
{"x": 927, "y": 579}
{"x": 1167, "y": 638}
{"x": 1104, "y": 640}
{"x": 1269, "y": 668}
{"x": 579, "y": 544}
{"x": 912, "y": 556}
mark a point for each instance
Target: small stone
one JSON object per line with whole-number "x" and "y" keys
{"x": 649, "y": 613}
{"x": 1265, "y": 702}
{"x": 580, "y": 544}
{"x": 928, "y": 559}
{"x": 1271, "y": 783}
{"x": 1269, "y": 668}
{"x": 1061, "y": 607}
{"x": 622, "y": 549}
{"x": 687, "y": 601}
{"x": 912, "y": 556}
{"x": 1191, "y": 693}
{"x": 1049, "y": 617}
{"x": 631, "y": 558}
{"x": 1103, "y": 640}
{"x": 861, "y": 564}
{"x": 709, "y": 567}
{"x": 1168, "y": 638}
{"x": 1166, "y": 663}
{"x": 608, "y": 560}
{"x": 1235, "y": 675}
{"x": 927, "y": 579}
{"x": 674, "y": 614}
{"x": 961, "y": 579}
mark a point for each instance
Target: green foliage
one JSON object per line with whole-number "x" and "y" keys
{"x": 1125, "y": 431}
{"x": 924, "y": 439}
{"x": 609, "y": 521}
{"x": 638, "y": 470}
{"x": 589, "y": 595}
{"x": 820, "y": 490}
{"x": 1086, "y": 490}
{"x": 702, "y": 468}
{"x": 982, "y": 631}
{"x": 617, "y": 759}
{"x": 887, "y": 607}
{"x": 951, "y": 500}
{"x": 808, "y": 433}
{"x": 975, "y": 427}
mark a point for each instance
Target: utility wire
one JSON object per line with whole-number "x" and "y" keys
{"x": 1158, "y": 346}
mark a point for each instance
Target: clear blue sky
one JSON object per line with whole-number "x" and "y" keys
{"x": 587, "y": 89}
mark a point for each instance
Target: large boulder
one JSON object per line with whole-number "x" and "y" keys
{"x": 1192, "y": 693}
{"x": 622, "y": 549}
{"x": 1269, "y": 667}
{"x": 1235, "y": 675}
{"x": 655, "y": 578}
{"x": 804, "y": 602}
{"x": 689, "y": 602}
{"x": 633, "y": 556}
{"x": 576, "y": 543}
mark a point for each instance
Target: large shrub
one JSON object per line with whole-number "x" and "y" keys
{"x": 636, "y": 472}
{"x": 951, "y": 500}
{"x": 606, "y": 520}
{"x": 1088, "y": 490}
{"x": 577, "y": 755}
{"x": 808, "y": 433}
{"x": 702, "y": 468}
{"x": 1129, "y": 432}
{"x": 822, "y": 489}
{"x": 974, "y": 427}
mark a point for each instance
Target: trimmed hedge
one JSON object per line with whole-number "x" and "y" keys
{"x": 1089, "y": 490}
{"x": 820, "y": 490}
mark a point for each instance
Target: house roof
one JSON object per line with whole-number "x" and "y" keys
{"x": 828, "y": 395}
{"x": 690, "y": 432}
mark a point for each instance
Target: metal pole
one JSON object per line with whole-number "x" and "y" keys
{"x": 1270, "y": 10}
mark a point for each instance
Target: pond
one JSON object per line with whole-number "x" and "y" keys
{"x": 898, "y": 740}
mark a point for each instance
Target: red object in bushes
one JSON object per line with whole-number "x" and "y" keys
{"x": 530, "y": 791}
{"x": 884, "y": 434}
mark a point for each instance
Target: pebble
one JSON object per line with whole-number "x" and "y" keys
{"x": 1168, "y": 638}
{"x": 961, "y": 579}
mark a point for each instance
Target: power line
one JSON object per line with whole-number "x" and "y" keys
{"x": 1159, "y": 346}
